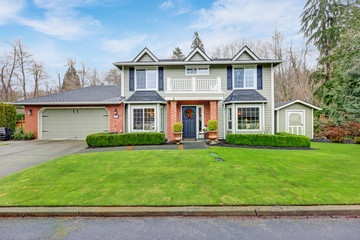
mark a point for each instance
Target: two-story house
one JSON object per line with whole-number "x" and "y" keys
{"x": 156, "y": 93}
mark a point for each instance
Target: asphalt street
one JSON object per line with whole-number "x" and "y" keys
{"x": 180, "y": 228}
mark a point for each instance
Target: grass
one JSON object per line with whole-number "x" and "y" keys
{"x": 3, "y": 144}
{"x": 191, "y": 177}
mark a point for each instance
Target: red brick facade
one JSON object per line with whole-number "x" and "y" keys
{"x": 116, "y": 124}
{"x": 174, "y": 113}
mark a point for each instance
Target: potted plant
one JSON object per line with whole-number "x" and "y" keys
{"x": 212, "y": 127}
{"x": 177, "y": 127}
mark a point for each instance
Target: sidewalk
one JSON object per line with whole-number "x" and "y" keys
{"x": 184, "y": 145}
{"x": 259, "y": 211}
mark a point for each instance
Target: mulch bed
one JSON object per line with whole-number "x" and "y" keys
{"x": 222, "y": 143}
{"x": 323, "y": 140}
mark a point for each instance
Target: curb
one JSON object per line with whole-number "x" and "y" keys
{"x": 322, "y": 210}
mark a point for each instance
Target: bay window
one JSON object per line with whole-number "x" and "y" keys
{"x": 146, "y": 79}
{"x": 248, "y": 118}
{"x": 244, "y": 77}
{"x": 143, "y": 119}
{"x": 229, "y": 118}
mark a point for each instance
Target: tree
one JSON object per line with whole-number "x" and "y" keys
{"x": 197, "y": 42}
{"x": 83, "y": 72}
{"x": 113, "y": 77}
{"x": 71, "y": 79}
{"x": 38, "y": 72}
{"x": 8, "y": 67}
{"x": 177, "y": 53}
{"x": 94, "y": 78}
{"x": 23, "y": 56}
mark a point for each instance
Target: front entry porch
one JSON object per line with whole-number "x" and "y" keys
{"x": 193, "y": 114}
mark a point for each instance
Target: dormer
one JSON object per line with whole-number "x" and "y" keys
{"x": 245, "y": 54}
{"x": 197, "y": 55}
{"x": 145, "y": 56}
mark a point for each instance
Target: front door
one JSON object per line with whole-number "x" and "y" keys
{"x": 189, "y": 121}
{"x": 295, "y": 122}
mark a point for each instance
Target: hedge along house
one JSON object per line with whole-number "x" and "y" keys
{"x": 156, "y": 93}
{"x": 295, "y": 117}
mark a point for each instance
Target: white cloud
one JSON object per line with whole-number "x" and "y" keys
{"x": 124, "y": 46}
{"x": 175, "y": 7}
{"x": 9, "y": 9}
{"x": 229, "y": 20}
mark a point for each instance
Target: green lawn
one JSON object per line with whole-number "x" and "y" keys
{"x": 3, "y": 144}
{"x": 330, "y": 175}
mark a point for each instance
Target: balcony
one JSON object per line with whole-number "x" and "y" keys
{"x": 194, "y": 85}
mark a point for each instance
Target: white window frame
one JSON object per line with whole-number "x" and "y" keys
{"x": 260, "y": 118}
{"x": 132, "y": 118}
{"x": 254, "y": 67}
{"x": 156, "y": 69}
{"x": 197, "y": 69}
{"x": 287, "y": 113}
{"x": 227, "y": 118}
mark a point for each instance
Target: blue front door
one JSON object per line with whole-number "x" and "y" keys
{"x": 189, "y": 121}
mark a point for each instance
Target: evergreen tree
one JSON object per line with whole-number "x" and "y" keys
{"x": 177, "y": 53}
{"x": 197, "y": 42}
{"x": 71, "y": 79}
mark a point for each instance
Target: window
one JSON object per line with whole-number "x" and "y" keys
{"x": 144, "y": 119}
{"x": 197, "y": 71}
{"x": 244, "y": 77}
{"x": 249, "y": 118}
{"x": 229, "y": 118}
{"x": 200, "y": 121}
{"x": 146, "y": 79}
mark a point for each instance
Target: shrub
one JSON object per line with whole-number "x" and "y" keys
{"x": 20, "y": 116}
{"x": 337, "y": 139}
{"x": 20, "y": 134}
{"x": 282, "y": 140}
{"x": 335, "y": 130}
{"x": 124, "y": 139}
{"x": 178, "y": 127}
{"x": 8, "y": 116}
{"x": 357, "y": 140}
{"x": 212, "y": 125}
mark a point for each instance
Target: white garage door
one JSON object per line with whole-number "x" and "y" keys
{"x": 73, "y": 123}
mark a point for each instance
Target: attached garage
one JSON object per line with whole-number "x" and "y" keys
{"x": 295, "y": 117}
{"x": 73, "y": 123}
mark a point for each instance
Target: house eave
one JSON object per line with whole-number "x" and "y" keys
{"x": 214, "y": 62}
{"x": 260, "y": 101}
{"x": 298, "y": 101}
{"x": 67, "y": 103}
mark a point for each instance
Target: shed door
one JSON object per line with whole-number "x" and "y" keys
{"x": 73, "y": 123}
{"x": 295, "y": 122}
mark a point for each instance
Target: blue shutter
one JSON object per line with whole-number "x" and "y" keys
{"x": 161, "y": 79}
{"x": 229, "y": 78}
{"x": 259, "y": 78}
{"x": 131, "y": 79}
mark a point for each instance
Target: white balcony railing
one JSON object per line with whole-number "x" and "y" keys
{"x": 193, "y": 84}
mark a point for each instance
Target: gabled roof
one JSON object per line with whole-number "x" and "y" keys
{"x": 280, "y": 105}
{"x": 145, "y": 96}
{"x": 143, "y": 52}
{"x": 90, "y": 95}
{"x": 199, "y": 51}
{"x": 248, "y": 51}
{"x": 245, "y": 96}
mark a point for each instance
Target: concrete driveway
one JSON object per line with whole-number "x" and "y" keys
{"x": 18, "y": 156}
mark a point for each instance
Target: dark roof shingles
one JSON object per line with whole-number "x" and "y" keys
{"x": 280, "y": 104}
{"x": 246, "y": 95}
{"x": 145, "y": 96}
{"x": 87, "y": 94}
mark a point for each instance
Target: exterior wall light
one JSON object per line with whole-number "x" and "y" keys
{"x": 30, "y": 112}
{"x": 115, "y": 111}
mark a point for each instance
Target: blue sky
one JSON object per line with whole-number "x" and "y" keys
{"x": 101, "y": 32}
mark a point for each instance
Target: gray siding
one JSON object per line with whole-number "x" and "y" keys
{"x": 197, "y": 57}
{"x": 146, "y": 58}
{"x": 308, "y": 118}
{"x": 244, "y": 57}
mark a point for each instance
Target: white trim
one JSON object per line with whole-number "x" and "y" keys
{"x": 272, "y": 99}
{"x": 224, "y": 119}
{"x": 197, "y": 50}
{"x": 261, "y": 127}
{"x": 301, "y": 102}
{"x": 142, "y": 102}
{"x": 287, "y": 112}
{"x": 197, "y": 67}
{"x": 40, "y": 112}
{"x": 233, "y": 106}
{"x": 261, "y": 101}
{"x": 142, "y": 107}
{"x": 277, "y": 121}
{"x": 244, "y": 49}
{"x": 144, "y": 51}
{"x": 122, "y": 81}
{"x": 69, "y": 103}
{"x": 214, "y": 62}
{"x": 227, "y": 118}
{"x": 253, "y": 67}
{"x": 312, "y": 123}
{"x": 192, "y": 98}
{"x": 156, "y": 69}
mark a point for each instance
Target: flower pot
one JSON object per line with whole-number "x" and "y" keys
{"x": 177, "y": 137}
{"x": 212, "y": 137}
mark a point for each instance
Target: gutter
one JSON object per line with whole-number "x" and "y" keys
{"x": 67, "y": 103}
{"x": 196, "y": 63}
